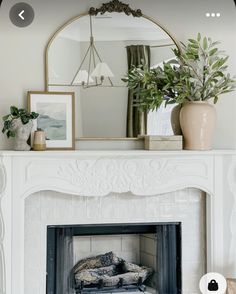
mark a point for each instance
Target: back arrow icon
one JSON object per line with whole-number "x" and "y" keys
{"x": 21, "y": 15}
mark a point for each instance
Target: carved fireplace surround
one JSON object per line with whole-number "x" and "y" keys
{"x": 98, "y": 173}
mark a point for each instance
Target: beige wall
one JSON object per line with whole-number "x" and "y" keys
{"x": 22, "y": 50}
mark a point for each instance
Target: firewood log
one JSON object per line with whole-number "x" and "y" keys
{"x": 102, "y": 260}
{"x": 112, "y": 275}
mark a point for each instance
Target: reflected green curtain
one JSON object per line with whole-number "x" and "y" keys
{"x": 136, "y": 120}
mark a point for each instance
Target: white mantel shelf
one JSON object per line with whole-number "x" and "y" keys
{"x": 98, "y": 173}
{"x": 116, "y": 152}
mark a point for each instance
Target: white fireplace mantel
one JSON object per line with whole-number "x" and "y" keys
{"x": 98, "y": 173}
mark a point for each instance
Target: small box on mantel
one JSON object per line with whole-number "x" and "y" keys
{"x": 163, "y": 142}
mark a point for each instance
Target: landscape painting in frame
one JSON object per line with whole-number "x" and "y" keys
{"x": 56, "y": 117}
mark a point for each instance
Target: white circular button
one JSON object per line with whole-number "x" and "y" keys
{"x": 213, "y": 283}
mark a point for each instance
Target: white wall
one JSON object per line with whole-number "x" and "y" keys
{"x": 22, "y": 50}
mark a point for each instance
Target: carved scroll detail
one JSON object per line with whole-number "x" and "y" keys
{"x": 115, "y": 6}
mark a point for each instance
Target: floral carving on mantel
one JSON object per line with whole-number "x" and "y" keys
{"x": 139, "y": 176}
{"x": 115, "y": 6}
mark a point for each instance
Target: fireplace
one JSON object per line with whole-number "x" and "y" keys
{"x": 46, "y": 210}
{"x": 115, "y": 187}
{"x": 156, "y": 246}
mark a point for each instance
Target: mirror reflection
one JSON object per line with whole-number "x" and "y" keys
{"x": 91, "y": 55}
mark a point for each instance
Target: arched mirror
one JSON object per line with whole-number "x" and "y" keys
{"x": 106, "y": 41}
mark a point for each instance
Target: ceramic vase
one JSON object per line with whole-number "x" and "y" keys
{"x": 39, "y": 140}
{"x": 197, "y": 121}
{"x": 22, "y": 134}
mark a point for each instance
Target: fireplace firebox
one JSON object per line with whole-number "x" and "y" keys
{"x": 155, "y": 246}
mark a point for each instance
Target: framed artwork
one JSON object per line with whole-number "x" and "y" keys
{"x": 56, "y": 117}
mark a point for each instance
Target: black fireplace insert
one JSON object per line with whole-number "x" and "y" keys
{"x": 165, "y": 279}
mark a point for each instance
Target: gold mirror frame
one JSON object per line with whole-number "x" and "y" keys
{"x": 91, "y": 12}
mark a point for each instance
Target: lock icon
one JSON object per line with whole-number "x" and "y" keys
{"x": 213, "y": 285}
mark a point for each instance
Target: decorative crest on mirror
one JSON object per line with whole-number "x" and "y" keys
{"x": 115, "y": 6}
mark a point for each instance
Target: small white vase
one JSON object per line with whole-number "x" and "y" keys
{"x": 22, "y": 134}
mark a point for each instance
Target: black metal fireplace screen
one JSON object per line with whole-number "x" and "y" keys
{"x": 100, "y": 288}
{"x": 167, "y": 278}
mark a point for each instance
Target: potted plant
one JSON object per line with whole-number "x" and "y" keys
{"x": 204, "y": 77}
{"x": 197, "y": 75}
{"x": 18, "y": 124}
{"x": 153, "y": 86}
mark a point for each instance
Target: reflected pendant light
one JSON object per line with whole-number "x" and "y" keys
{"x": 97, "y": 69}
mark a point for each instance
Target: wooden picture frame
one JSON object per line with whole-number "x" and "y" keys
{"x": 56, "y": 117}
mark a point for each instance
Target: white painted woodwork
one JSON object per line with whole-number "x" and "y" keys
{"x": 99, "y": 173}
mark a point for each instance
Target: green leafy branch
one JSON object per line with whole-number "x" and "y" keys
{"x": 198, "y": 73}
{"x": 16, "y": 113}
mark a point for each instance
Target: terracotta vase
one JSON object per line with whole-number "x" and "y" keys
{"x": 174, "y": 118}
{"x": 197, "y": 120}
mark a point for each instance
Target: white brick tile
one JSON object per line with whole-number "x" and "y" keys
{"x": 187, "y": 252}
{"x": 130, "y": 242}
{"x": 81, "y": 255}
{"x": 79, "y": 208}
{"x": 45, "y": 208}
{"x": 48, "y": 207}
{"x": 181, "y": 197}
{"x": 167, "y": 211}
{"x": 196, "y": 269}
{"x": 81, "y": 248}
{"x": 63, "y": 211}
{"x": 191, "y": 283}
{"x": 109, "y": 207}
{"x": 93, "y": 207}
{"x": 142, "y": 243}
{"x": 147, "y": 260}
{"x": 32, "y": 284}
{"x": 105, "y": 244}
{"x": 149, "y": 246}
{"x": 131, "y": 256}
